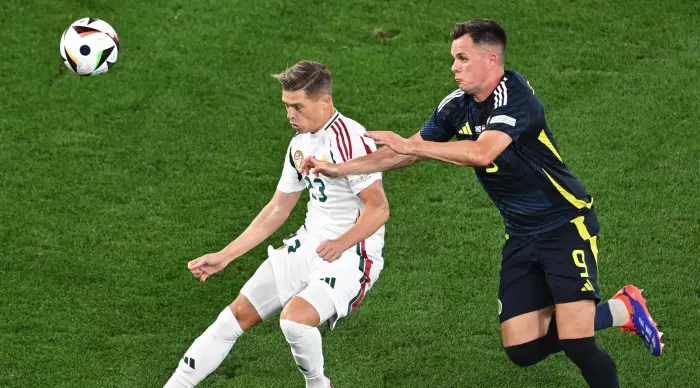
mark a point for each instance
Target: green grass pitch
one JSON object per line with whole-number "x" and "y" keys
{"x": 110, "y": 184}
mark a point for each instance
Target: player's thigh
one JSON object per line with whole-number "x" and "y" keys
{"x": 576, "y": 319}
{"x": 526, "y": 327}
{"x": 522, "y": 289}
{"x": 259, "y": 298}
{"x": 569, "y": 258}
{"x": 346, "y": 281}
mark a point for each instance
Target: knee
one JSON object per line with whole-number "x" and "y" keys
{"x": 244, "y": 312}
{"x": 295, "y": 332}
{"x": 299, "y": 310}
{"x": 527, "y": 354}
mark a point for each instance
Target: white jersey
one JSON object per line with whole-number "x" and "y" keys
{"x": 334, "y": 206}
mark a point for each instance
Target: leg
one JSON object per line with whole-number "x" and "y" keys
{"x": 569, "y": 257}
{"x": 258, "y": 300}
{"x": 575, "y": 321}
{"x": 298, "y": 321}
{"x": 526, "y": 327}
{"x": 531, "y": 337}
{"x": 525, "y": 306}
{"x": 628, "y": 308}
{"x": 335, "y": 289}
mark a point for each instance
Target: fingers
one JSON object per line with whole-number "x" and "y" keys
{"x": 307, "y": 164}
{"x": 379, "y": 137}
{"x": 331, "y": 258}
{"x": 328, "y": 252}
{"x": 201, "y": 275}
{"x": 304, "y": 169}
{"x": 324, "y": 250}
{"x": 373, "y": 134}
{"x": 194, "y": 264}
{"x": 195, "y": 267}
{"x": 321, "y": 247}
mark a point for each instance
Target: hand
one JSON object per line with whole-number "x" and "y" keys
{"x": 204, "y": 266}
{"x": 330, "y": 250}
{"x": 311, "y": 165}
{"x": 397, "y": 143}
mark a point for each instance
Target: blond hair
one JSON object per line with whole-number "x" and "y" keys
{"x": 312, "y": 77}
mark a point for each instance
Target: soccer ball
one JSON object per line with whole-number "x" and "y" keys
{"x": 89, "y": 46}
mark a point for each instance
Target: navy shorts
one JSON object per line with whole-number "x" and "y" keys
{"x": 559, "y": 266}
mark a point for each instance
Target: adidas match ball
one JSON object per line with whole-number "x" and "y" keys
{"x": 89, "y": 46}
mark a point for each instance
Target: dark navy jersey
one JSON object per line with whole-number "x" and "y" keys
{"x": 529, "y": 183}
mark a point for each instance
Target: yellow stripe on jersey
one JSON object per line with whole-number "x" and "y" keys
{"x": 466, "y": 129}
{"x": 578, "y": 203}
{"x": 586, "y": 236}
{"x": 545, "y": 140}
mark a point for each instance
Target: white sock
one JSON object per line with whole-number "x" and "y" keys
{"x": 307, "y": 350}
{"x": 619, "y": 312}
{"x": 207, "y": 352}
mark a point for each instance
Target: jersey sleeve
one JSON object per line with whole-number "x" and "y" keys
{"x": 515, "y": 110}
{"x": 350, "y": 143}
{"x": 436, "y": 129}
{"x": 291, "y": 180}
{"x": 439, "y": 128}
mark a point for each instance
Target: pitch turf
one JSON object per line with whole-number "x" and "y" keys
{"x": 110, "y": 184}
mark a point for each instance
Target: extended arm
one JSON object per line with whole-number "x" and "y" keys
{"x": 270, "y": 218}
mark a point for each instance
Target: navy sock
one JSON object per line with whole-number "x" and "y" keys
{"x": 603, "y": 317}
{"x": 596, "y": 365}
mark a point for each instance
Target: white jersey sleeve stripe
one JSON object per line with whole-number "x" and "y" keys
{"x": 501, "y": 95}
{"x": 456, "y": 93}
{"x": 497, "y": 99}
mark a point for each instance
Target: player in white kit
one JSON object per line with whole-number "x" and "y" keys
{"x": 324, "y": 270}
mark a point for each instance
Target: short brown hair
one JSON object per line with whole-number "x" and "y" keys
{"x": 482, "y": 31}
{"x": 312, "y": 77}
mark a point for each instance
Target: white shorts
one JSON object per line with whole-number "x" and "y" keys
{"x": 295, "y": 269}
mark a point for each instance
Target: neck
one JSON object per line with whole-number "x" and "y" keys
{"x": 324, "y": 120}
{"x": 491, "y": 85}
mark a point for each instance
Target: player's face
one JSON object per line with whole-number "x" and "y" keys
{"x": 304, "y": 113}
{"x": 470, "y": 66}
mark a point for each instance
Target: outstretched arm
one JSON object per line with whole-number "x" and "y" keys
{"x": 477, "y": 153}
{"x": 270, "y": 218}
{"x": 383, "y": 160}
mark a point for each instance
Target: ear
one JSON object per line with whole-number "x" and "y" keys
{"x": 494, "y": 60}
{"x": 326, "y": 99}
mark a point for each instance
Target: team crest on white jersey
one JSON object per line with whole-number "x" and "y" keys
{"x": 298, "y": 158}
